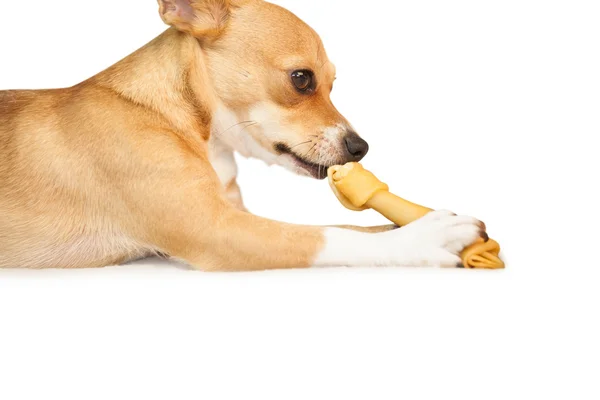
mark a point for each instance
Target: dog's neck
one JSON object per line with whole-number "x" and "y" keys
{"x": 169, "y": 77}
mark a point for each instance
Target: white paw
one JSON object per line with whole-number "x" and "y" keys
{"x": 435, "y": 240}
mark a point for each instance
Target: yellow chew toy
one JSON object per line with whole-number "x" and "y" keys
{"x": 358, "y": 190}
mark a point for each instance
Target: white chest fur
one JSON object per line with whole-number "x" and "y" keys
{"x": 222, "y": 160}
{"x": 235, "y": 132}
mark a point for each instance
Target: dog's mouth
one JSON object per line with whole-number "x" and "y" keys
{"x": 317, "y": 171}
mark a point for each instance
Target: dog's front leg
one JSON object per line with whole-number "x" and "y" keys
{"x": 367, "y": 229}
{"x": 189, "y": 217}
{"x": 234, "y": 195}
{"x": 243, "y": 242}
{"x": 223, "y": 238}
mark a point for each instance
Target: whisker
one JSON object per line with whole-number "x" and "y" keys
{"x": 300, "y": 144}
{"x": 322, "y": 164}
{"x": 238, "y": 124}
{"x": 248, "y": 126}
{"x": 309, "y": 151}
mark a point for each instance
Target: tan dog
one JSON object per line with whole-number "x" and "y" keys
{"x": 138, "y": 160}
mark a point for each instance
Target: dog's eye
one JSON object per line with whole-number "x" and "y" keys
{"x": 303, "y": 80}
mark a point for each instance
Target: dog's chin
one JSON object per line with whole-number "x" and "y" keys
{"x": 306, "y": 168}
{"x": 303, "y": 166}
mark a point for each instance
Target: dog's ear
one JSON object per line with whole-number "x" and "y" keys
{"x": 201, "y": 18}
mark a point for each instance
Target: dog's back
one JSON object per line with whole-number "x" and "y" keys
{"x": 11, "y": 101}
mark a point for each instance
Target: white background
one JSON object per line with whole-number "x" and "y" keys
{"x": 489, "y": 108}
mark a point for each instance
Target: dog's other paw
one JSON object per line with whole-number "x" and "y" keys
{"x": 435, "y": 240}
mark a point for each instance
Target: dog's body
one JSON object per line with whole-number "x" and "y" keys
{"x": 138, "y": 160}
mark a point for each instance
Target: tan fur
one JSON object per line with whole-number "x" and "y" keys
{"x": 121, "y": 166}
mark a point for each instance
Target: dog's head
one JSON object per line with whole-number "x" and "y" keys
{"x": 271, "y": 75}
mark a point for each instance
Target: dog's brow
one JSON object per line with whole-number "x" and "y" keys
{"x": 294, "y": 62}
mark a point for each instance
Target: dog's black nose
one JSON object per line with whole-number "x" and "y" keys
{"x": 356, "y": 147}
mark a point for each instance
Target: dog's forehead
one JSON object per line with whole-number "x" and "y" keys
{"x": 276, "y": 28}
{"x": 297, "y": 46}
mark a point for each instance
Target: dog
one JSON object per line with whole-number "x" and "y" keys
{"x": 139, "y": 159}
